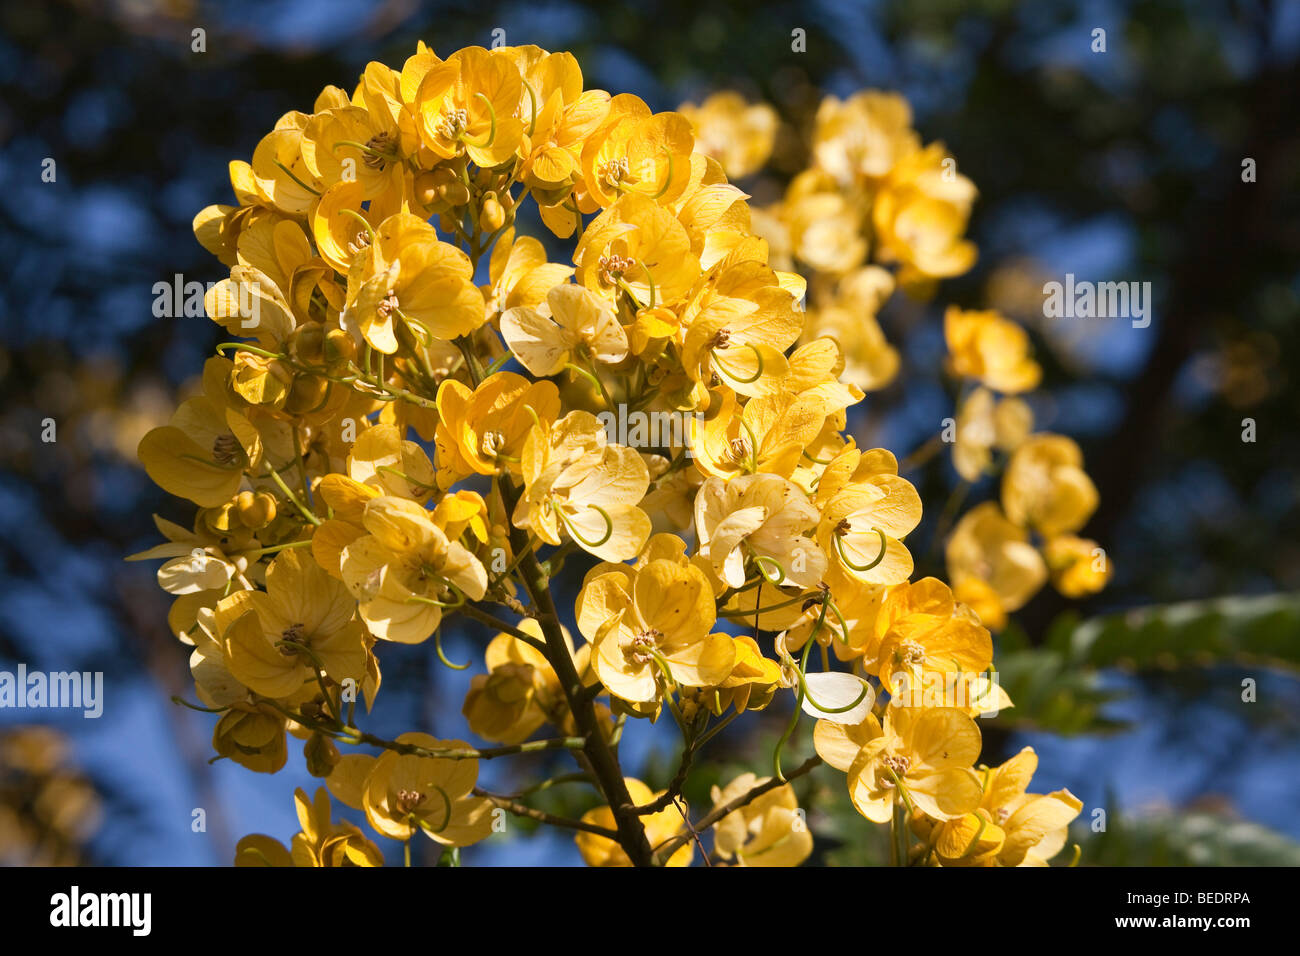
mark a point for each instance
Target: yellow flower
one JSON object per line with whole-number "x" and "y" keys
{"x": 825, "y": 224}
{"x": 636, "y": 248}
{"x": 986, "y": 546}
{"x": 735, "y": 133}
{"x": 635, "y": 153}
{"x": 982, "y": 425}
{"x": 849, "y": 320}
{"x": 920, "y": 216}
{"x": 597, "y": 850}
{"x": 519, "y": 275}
{"x": 279, "y": 176}
{"x": 303, "y": 621}
{"x": 467, "y": 105}
{"x": 925, "y": 636}
{"x": 862, "y": 525}
{"x": 252, "y": 735}
{"x": 414, "y": 277}
{"x": 405, "y": 571}
{"x": 203, "y": 452}
{"x": 864, "y": 136}
{"x": 990, "y": 348}
{"x": 577, "y": 483}
{"x": 322, "y": 842}
{"x": 519, "y": 693}
{"x": 404, "y": 794}
{"x": 1010, "y": 827}
{"x": 575, "y": 323}
{"x": 768, "y": 831}
{"x": 355, "y": 145}
{"x": 1046, "y": 488}
{"x": 484, "y": 430}
{"x": 922, "y": 756}
{"x": 1079, "y": 566}
{"x": 644, "y": 622}
{"x": 762, "y": 518}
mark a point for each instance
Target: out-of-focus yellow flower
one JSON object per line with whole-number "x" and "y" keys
{"x": 988, "y": 547}
{"x": 768, "y": 831}
{"x": 597, "y": 850}
{"x": 1046, "y": 488}
{"x": 1079, "y": 566}
{"x": 920, "y": 755}
{"x": 849, "y": 319}
{"x": 863, "y": 137}
{"x": 920, "y": 214}
{"x": 992, "y": 349}
{"x": 984, "y": 424}
{"x": 739, "y": 135}
{"x": 653, "y": 624}
{"x": 825, "y": 224}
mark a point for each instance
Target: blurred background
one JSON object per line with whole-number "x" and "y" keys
{"x": 1124, "y": 165}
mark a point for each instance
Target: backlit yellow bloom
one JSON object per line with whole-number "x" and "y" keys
{"x": 468, "y": 105}
{"x": 405, "y": 571}
{"x": 984, "y": 424}
{"x": 405, "y": 794}
{"x": 739, "y": 135}
{"x": 768, "y": 831}
{"x": 304, "y": 620}
{"x": 597, "y": 850}
{"x": 577, "y": 484}
{"x": 922, "y": 756}
{"x": 636, "y": 153}
{"x": 651, "y": 625}
{"x": 484, "y": 430}
{"x": 1046, "y": 488}
{"x": 322, "y": 842}
{"x": 990, "y": 348}
{"x": 1079, "y": 566}
{"x": 574, "y": 324}
{"x": 985, "y": 545}
{"x": 758, "y": 518}
{"x": 1010, "y": 827}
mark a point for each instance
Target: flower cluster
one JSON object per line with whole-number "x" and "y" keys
{"x": 410, "y": 427}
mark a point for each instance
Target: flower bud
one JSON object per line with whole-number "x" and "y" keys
{"x": 454, "y": 194}
{"x": 307, "y": 344}
{"x": 322, "y": 756}
{"x": 307, "y": 394}
{"x": 255, "y": 510}
{"x": 491, "y": 216}
{"x": 339, "y": 347}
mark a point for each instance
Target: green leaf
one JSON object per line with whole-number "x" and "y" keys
{"x": 1186, "y": 839}
{"x": 1241, "y": 630}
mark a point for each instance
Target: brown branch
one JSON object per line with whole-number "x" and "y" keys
{"x": 519, "y": 810}
{"x": 666, "y": 849}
